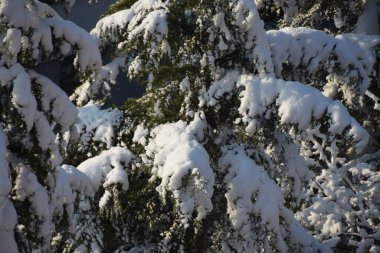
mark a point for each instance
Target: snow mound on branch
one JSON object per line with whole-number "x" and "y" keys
{"x": 108, "y": 168}
{"x": 88, "y": 53}
{"x": 145, "y": 19}
{"x": 309, "y": 48}
{"x": 140, "y": 135}
{"x": 46, "y": 27}
{"x": 250, "y": 191}
{"x": 245, "y": 178}
{"x": 256, "y": 39}
{"x": 331, "y": 215}
{"x": 97, "y": 125}
{"x": 182, "y": 164}
{"x": 28, "y": 187}
{"x": 8, "y": 215}
{"x": 68, "y": 181}
{"x": 54, "y": 101}
{"x": 297, "y": 104}
{"x": 134, "y": 21}
{"x": 18, "y": 14}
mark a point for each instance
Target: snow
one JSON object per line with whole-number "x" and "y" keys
{"x": 131, "y": 18}
{"x": 145, "y": 18}
{"x": 55, "y": 100}
{"x": 21, "y": 17}
{"x": 245, "y": 178}
{"x": 19, "y": 14}
{"x": 140, "y": 135}
{"x": 104, "y": 199}
{"x": 310, "y": 49}
{"x": 13, "y": 41}
{"x": 23, "y": 98}
{"x": 8, "y": 215}
{"x": 297, "y": 104}
{"x": 256, "y": 39}
{"x": 185, "y": 84}
{"x": 153, "y": 23}
{"x": 28, "y": 187}
{"x": 97, "y": 125}
{"x": 219, "y": 88}
{"x": 99, "y": 83}
{"x": 328, "y": 213}
{"x": 68, "y": 181}
{"x": 250, "y": 191}
{"x": 295, "y": 168}
{"x": 183, "y": 169}
{"x": 108, "y": 168}
{"x": 286, "y": 44}
{"x": 88, "y": 53}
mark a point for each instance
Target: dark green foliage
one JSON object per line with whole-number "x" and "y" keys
{"x": 119, "y": 5}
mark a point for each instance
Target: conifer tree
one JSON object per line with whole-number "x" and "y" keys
{"x": 36, "y": 193}
{"x": 244, "y": 140}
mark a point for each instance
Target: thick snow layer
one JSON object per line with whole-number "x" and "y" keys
{"x": 28, "y": 187}
{"x": 245, "y": 178}
{"x": 88, "y": 53}
{"x": 145, "y": 19}
{"x": 256, "y": 39}
{"x": 68, "y": 181}
{"x": 108, "y": 168}
{"x": 53, "y": 101}
{"x": 13, "y": 41}
{"x": 97, "y": 125}
{"x": 57, "y": 102}
{"x": 104, "y": 199}
{"x": 252, "y": 193}
{"x": 45, "y": 26}
{"x": 297, "y": 104}
{"x": 140, "y": 135}
{"x": 19, "y": 14}
{"x": 134, "y": 21}
{"x": 310, "y": 49}
{"x": 354, "y": 186}
{"x": 23, "y": 98}
{"x": 8, "y": 215}
{"x": 183, "y": 169}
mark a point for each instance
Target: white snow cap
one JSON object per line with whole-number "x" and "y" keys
{"x": 311, "y": 48}
{"x": 8, "y": 215}
{"x": 53, "y": 100}
{"x": 21, "y": 17}
{"x": 297, "y": 104}
{"x": 97, "y": 125}
{"x": 252, "y": 192}
{"x": 108, "y": 168}
{"x": 183, "y": 169}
